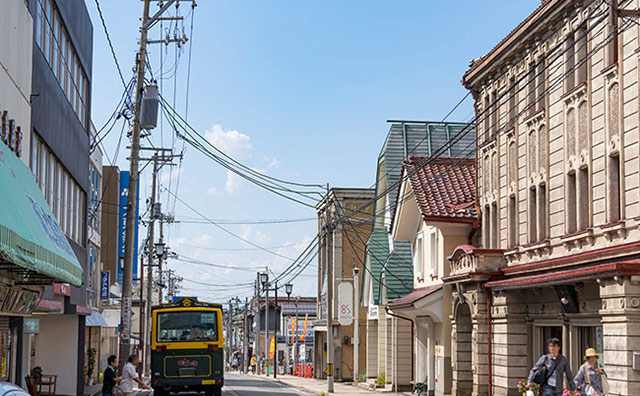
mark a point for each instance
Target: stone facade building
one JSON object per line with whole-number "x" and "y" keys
{"x": 558, "y": 192}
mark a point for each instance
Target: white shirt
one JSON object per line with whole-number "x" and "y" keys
{"x": 128, "y": 374}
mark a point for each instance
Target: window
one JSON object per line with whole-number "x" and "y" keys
{"x": 433, "y": 253}
{"x": 531, "y": 89}
{"x": 418, "y": 264}
{"x": 613, "y": 148}
{"x": 57, "y": 49}
{"x": 581, "y": 54}
{"x": 512, "y": 101}
{"x": 569, "y": 63}
{"x": 187, "y": 326}
{"x": 487, "y": 118}
{"x": 495, "y": 115}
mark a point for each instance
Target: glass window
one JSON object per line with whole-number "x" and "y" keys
{"x": 43, "y": 169}
{"x": 417, "y": 260}
{"x": 51, "y": 181}
{"x": 433, "y": 253}
{"x": 47, "y": 28}
{"x": 67, "y": 72}
{"x": 35, "y": 154}
{"x": 53, "y": 23}
{"x": 55, "y": 46}
{"x": 38, "y": 23}
{"x": 187, "y": 326}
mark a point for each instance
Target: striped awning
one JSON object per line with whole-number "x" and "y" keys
{"x": 33, "y": 248}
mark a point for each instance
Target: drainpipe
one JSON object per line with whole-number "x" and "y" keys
{"x": 474, "y": 227}
{"x": 487, "y": 290}
{"x": 386, "y": 308}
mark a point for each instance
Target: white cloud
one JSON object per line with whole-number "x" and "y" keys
{"x": 230, "y": 141}
{"x": 170, "y": 175}
{"x": 254, "y": 235}
{"x": 232, "y": 185}
{"x": 271, "y": 162}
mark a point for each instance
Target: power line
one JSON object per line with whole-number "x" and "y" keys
{"x": 113, "y": 52}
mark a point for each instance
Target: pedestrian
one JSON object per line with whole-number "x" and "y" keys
{"x": 591, "y": 379}
{"x": 234, "y": 363}
{"x": 110, "y": 379}
{"x": 253, "y": 363}
{"x": 262, "y": 363}
{"x": 553, "y": 365}
{"x": 130, "y": 375}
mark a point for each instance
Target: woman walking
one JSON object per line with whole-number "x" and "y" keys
{"x": 591, "y": 378}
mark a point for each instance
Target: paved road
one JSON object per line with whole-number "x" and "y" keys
{"x": 237, "y": 385}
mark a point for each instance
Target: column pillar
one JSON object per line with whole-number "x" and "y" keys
{"x": 620, "y": 312}
{"x": 509, "y": 342}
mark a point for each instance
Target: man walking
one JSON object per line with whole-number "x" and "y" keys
{"x": 130, "y": 375}
{"x": 556, "y": 365}
{"x": 110, "y": 379}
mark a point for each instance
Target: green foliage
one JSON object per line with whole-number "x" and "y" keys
{"x": 36, "y": 374}
{"x": 91, "y": 361}
{"x": 361, "y": 376}
{"x": 321, "y": 394}
{"x": 382, "y": 379}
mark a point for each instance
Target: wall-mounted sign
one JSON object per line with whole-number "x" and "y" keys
{"x": 17, "y": 301}
{"x": 122, "y": 226}
{"x": 10, "y": 134}
{"x": 345, "y": 303}
{"x": 31, "y": 325}
{"x": 104, "y": 284}
{"x": 62, "y": 289}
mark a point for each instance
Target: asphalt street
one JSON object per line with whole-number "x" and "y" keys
{"x": 240, "y": 385}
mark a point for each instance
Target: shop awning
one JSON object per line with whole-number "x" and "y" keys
{"x": 568, "y": 276}
{"x": 33, "y": 247}
{"x": 96, "y": 320}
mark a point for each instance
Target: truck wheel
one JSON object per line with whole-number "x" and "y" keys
{"x": 214, "y": 391}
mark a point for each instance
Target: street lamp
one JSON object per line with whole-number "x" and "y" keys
{"x": 159, "y": 249}
{"x": 288, "y": 288}
{"x": 264, "y": 278}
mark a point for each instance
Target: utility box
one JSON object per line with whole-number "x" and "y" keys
{"x": 149, "y": 107}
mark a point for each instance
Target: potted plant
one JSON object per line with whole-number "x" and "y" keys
{"x": 381, "y": 381}
{"x": 36, "y": 374}
{"x": 91, "y": 364}
{"x": 524, "y": 386}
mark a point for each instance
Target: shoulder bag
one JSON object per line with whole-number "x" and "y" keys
{"x": 605, "y": 384}
{"x": 592, "y": 392}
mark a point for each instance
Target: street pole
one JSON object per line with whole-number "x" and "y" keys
{"x": 329, "y": 255}
{"x": 256, "y": 306}
{"x": 356, "y": 325}
{"x": 266, "y": 326}
{"x": 132, "y": 197}
{"x": 246, "y": 336}
{"x": 150, "y": 254}
{"x": 142, "y": 305}
{"x": 295, "y": 337}
{"x": 160, "y": 257}
{"x": 275, "y": 333}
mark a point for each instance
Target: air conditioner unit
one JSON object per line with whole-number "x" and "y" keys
{"x": 584, "y": 159}
{"x": 614, "y": 146}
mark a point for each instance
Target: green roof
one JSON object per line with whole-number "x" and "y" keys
{"x": 31, "y": 240}
{"x": 399, "y": 278}
{"x": 377, "y": 254}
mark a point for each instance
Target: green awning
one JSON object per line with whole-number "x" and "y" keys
{"x": 32, "y": 243}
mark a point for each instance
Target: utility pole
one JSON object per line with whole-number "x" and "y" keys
{"x": 132, "y": 198}
{"x": 295, "y": 338}
{"x": 275, "y": 333}
{"x": 356, "y": 324}
{"x": 329, "y": 257}
{"x": 160, "y": 257}
{"x": 256, "y": 315}
{"x": 150, "y": 254}
{"x": 245, "y": 349}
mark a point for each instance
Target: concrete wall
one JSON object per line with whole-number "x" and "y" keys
{"x": 57, "y": 350}
{"x": 16, "y": 41}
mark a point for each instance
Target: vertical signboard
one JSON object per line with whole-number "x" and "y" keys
{"x": 345, "y": 303}
{"x": 105, "y": 280}
{"x": 122, "y": 226}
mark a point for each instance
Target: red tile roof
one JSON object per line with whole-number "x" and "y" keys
{"x": 443, "y": 187}
{"x": 417, "y": 294}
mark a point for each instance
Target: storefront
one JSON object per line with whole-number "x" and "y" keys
{"x": 34, "y": 252}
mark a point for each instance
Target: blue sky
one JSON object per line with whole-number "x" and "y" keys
{"x": 297, "y": 89}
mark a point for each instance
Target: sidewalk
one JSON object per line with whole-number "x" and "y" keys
{"x": 316, "y": 386}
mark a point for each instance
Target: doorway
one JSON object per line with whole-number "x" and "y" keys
{"x": 462, "y": 374}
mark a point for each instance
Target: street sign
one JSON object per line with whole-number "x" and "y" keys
{"x": 104, "y": 284}
{"x": 345, "y": 303}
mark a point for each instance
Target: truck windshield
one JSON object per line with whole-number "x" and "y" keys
{"x": 187, "y": 326}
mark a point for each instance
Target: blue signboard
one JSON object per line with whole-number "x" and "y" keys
{"x": 176, "y": 298}
{"x": 104, "y": 284}
{"x": 122, "y": 226}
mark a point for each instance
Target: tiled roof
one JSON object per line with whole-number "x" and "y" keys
{"x": 443, "y": 187}
{"x": 417, "y": 139}
{"x": 411, "y": 298}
